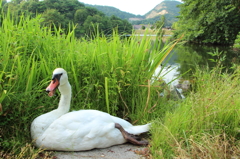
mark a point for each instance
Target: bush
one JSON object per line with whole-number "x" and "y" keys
{"x": 237, "y": 42}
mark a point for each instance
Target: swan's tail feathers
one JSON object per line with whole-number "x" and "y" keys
{"x": 135, "y": 130}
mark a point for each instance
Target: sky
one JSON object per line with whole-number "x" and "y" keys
{"x": 140, "y": 7}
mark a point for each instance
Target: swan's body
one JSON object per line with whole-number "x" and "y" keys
{"x": 77, "y": 130}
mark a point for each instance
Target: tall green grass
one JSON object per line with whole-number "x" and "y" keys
{"x": 111, "y": 74}
{"x": 206, "y": 124}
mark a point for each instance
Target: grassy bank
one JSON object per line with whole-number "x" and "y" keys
{"x": 111, "y": 74}
{"x": 206, "y": 124}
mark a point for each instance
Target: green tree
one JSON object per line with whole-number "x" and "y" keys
{"x": 93, "y": 11}
{"x": 158, "y": 26}
{"x": 92, "y": 24}
{"x": 52, "y": 16}
{"x": 208, "y": 22}
{"x": 61, "y": 13}
{"x": 17, "y": 1}
{"x": 237, "y": 42}
{"x": 37, "y": 7}
{"x": 236, "y": 3}
{"x": 123, "y": 26}
{"x": 80, "y": 16}
{"x": 160, "y": 23}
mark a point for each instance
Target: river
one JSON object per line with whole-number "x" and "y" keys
{"x": 185, "y": 58}
{"x": 188, "y": 56}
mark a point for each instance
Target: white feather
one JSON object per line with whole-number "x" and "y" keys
{"x": 78, "y": 130}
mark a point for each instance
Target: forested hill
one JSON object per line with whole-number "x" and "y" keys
{"x": 164, "y": 8}
{"x": 61, "y": 13}
{"x": 167, "y": 8}
{"x": 109, "y": 11}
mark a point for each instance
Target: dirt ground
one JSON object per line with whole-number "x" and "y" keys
{"x": 125, "y": 151}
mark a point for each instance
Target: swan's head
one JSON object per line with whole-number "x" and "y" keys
{"x": 59, "y": 78}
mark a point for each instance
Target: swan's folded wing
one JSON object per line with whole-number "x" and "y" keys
{"x": 81, "y": 130}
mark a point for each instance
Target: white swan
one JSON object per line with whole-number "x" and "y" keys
{"x": 79, "y": 130}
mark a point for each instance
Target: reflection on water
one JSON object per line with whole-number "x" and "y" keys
{"x": 188, "y": 56}
{"x": 169, "y": 74}
{"x": 183, "y": 61}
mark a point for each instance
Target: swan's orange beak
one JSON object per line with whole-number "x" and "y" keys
{"x": 52, "y": 87}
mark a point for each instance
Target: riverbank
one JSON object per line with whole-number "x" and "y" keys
{"x": 206, "y": 123}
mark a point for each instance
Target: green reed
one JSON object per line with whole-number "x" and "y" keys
{"x": 106, "y": 73}
{"x": 198, "y": 126}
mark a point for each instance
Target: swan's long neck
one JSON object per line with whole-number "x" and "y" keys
{"x": 41, "y": 123}
{"x": 65, "y": 99}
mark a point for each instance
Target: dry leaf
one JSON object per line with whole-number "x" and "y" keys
{"x": 144, "y": 152}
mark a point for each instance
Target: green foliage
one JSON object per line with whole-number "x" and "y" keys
{"x": 158, "y": 28}
{"x": 80, "y": 15}
{"x": 121, "y": 24}
{"x": 169, "y": 20}
{"x": 52, "y": 16}
{"x": 160, "y": 23}
{"x": 143, "y": 27}
{"x": 208, "y": 22}
{"x": 218, "y": 57}
{"x": 111, "y": 74}
{"x": 173, "y": 11}
{"x": 191, "y": 55}
{"x": 110, "y": 11}
{"x": 170, "y": 17}
{"x": 237, "y": 42}
{"x": 65, "y": 12}
{"x": 212, "y": 110}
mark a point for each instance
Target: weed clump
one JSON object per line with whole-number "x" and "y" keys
{"x": 206, "y": 124}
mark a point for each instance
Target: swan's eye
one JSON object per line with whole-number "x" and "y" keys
{"x": 57, "y": 77}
